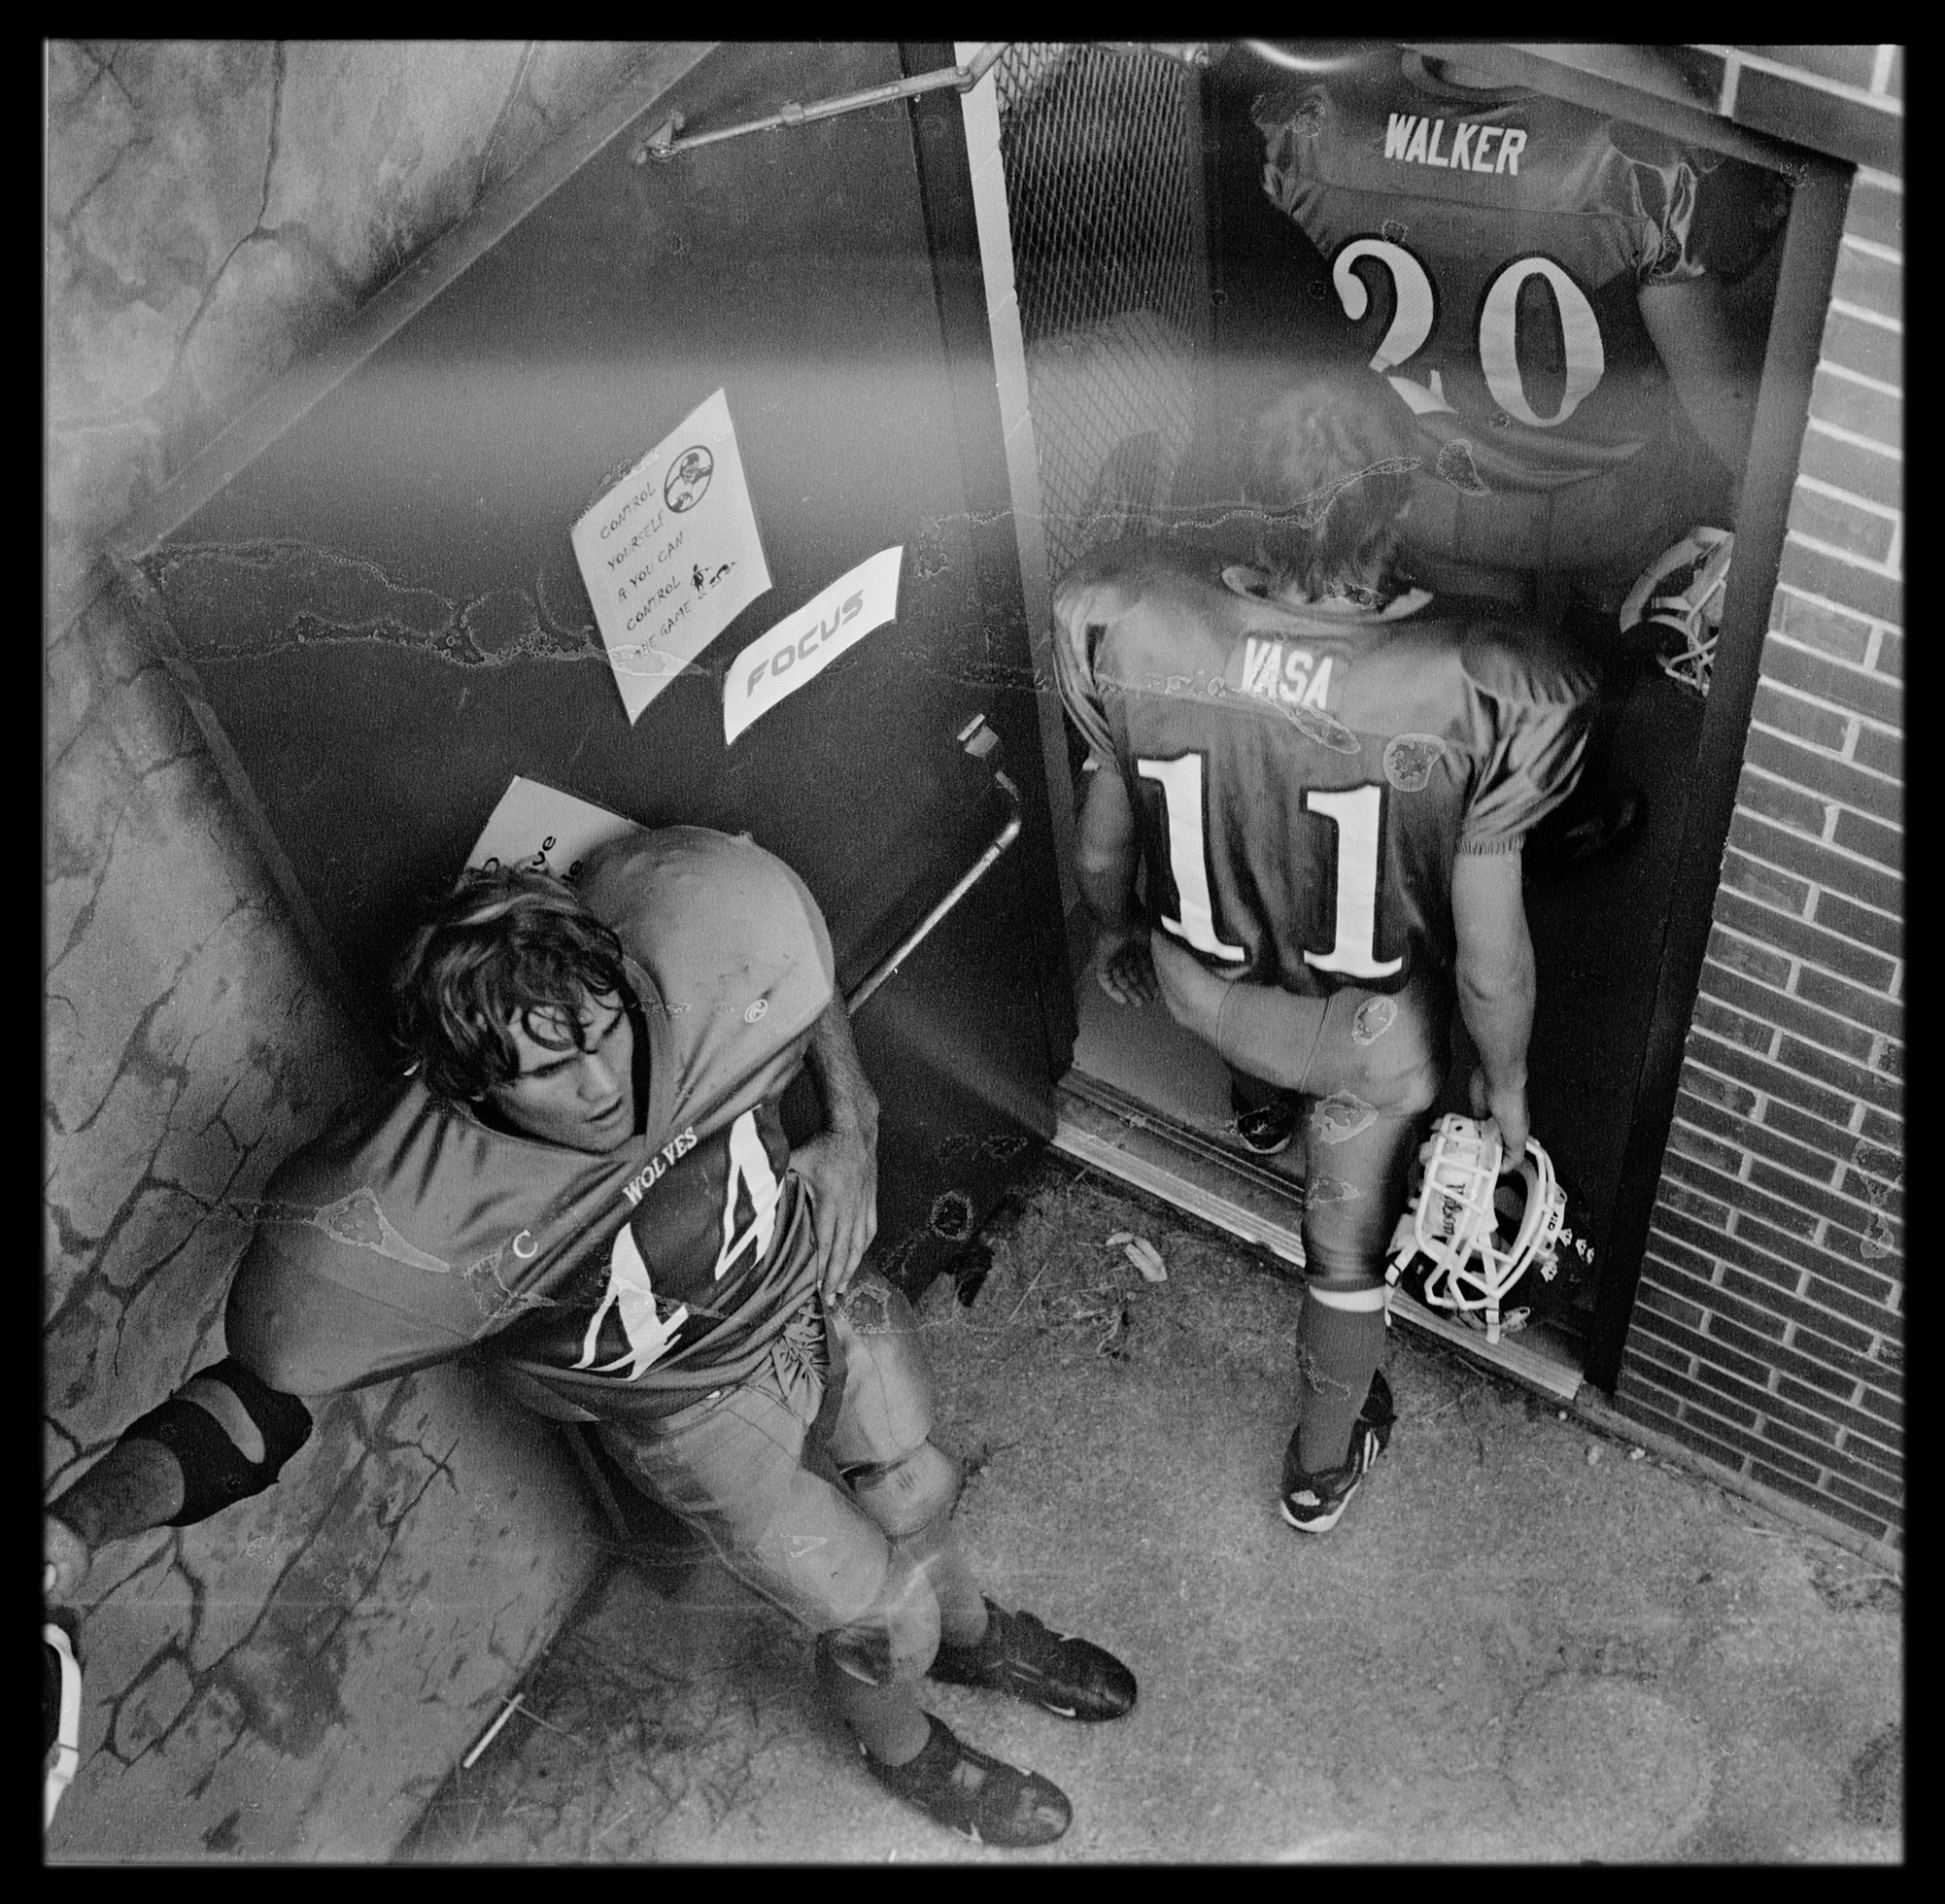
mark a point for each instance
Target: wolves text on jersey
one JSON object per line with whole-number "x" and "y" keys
{"x": 677, "y": 1146}
{"x": 724, "y": 1219}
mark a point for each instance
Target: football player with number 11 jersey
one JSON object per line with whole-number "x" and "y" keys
{"x": 1323, "y": 785}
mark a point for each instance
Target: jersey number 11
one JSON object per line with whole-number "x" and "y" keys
{"x": 1357, "y": 815}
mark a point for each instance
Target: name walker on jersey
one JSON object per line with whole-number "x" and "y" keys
{"x": 1473, "y": 148}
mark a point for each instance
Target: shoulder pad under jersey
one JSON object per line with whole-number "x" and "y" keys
{"x": 737, "y": 954}
{"x": 708, "y": 915}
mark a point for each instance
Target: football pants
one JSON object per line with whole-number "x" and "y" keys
{"x": 1368, "y": 1065}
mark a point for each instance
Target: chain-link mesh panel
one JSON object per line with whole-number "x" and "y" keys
{"x": 1103, "y": 182}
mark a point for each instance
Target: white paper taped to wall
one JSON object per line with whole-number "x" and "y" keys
{"x": 535, "y": 825}
{"x": 670, "y": 554}
{"x": 775, "y": 665}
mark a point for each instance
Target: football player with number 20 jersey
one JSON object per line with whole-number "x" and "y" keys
{"x": 1545, "y": 287}
{"x": 585, "y": 1185}
{"x": 1323, "y": 787}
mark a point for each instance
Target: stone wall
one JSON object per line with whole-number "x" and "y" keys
{"x": 293, "y": 1676}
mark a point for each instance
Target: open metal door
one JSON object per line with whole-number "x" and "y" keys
{"x": 376, "y": 601}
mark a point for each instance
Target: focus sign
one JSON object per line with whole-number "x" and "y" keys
{"x": 800, "y": 646}
{"x": 670, "y": 554}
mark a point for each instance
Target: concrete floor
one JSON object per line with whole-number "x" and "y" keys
{"x": 1520, "y": 1644}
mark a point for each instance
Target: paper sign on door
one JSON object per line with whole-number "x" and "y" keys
{"x": 670, "y": 554}
{"x": 775, "y": 665}
{"x": 535, "y": 825}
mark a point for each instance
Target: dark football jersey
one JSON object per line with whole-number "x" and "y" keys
{"x": 1488, "y": 245}
{"x": 1303, "y": 778}
{"x": 599, "y": 1286}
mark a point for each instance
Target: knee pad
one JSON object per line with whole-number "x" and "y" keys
{"x": 886, "y": 1409}
{"x": 905, "y": 1496}
{"x": 894, "y": 1640}
{"x": 1347, "y": 1229}
{"x": 1390, "y": 1049}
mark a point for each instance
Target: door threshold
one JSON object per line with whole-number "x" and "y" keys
{"x": 1121, "y": 1136}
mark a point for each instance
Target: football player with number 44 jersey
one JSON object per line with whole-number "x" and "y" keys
{"x": 584, "y": 1185}
{"x": 1322, "y": 785}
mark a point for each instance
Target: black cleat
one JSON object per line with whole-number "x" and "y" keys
{"x": 970, "y": 1792}
{"x": 1054, "y": 1670}
{"x": 1314, "y": 1504}
{"x": 1379, "y": 1412}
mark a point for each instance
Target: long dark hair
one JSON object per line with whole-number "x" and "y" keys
{"x": 502, "y": 945}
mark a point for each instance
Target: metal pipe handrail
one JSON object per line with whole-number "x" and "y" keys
{"x": 662, "y": 143}
{"x": 983, "y": 864}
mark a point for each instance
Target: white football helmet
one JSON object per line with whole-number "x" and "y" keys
{"x": 1683, "y": 591}
{"x": 1470, "y": 1235}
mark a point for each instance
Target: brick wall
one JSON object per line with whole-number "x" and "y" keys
{"x": 1769, "y": 1329}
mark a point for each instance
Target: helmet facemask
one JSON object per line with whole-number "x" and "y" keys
{"x": 1473, "y": 1236}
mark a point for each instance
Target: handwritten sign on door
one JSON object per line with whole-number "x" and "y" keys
{"x": 535, "y": 825}
{"x": 670, "y": 554}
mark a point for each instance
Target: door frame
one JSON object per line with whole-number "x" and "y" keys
{"x": 1821, "y": 188}
{"x": 1818, "y": 201}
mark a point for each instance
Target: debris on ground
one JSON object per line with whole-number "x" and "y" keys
{"x": 1144, "y": 1254}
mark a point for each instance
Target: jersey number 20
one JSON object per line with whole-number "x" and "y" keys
{"x": 1498, "y": 320}
{"x": 1357, "y": 818}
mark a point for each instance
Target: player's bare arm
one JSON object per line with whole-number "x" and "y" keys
{"x": 1494, "y": 971}
{"x": 1106, "y": 851}
{"x": 1714, "y": 375}
{"x": 839, "y": 1166}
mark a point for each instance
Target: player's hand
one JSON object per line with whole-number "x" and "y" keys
{"x": 841, "y": 1170}
{"x": 1506, "y": 1106}
{"x": 67, "y": 1560}
{"x": 1126, "y": 969}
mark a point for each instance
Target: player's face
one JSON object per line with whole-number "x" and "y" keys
{"x": 580, "y": 1100}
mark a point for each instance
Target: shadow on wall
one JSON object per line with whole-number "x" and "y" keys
{"x": 295, "y": 1676}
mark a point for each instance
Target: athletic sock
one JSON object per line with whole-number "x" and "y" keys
{"x": 888, "y": 1719}
{"x": 1338, "y": 1351}
{"x": 962, "y": 1607}
{"x": 935, "y": 1551}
